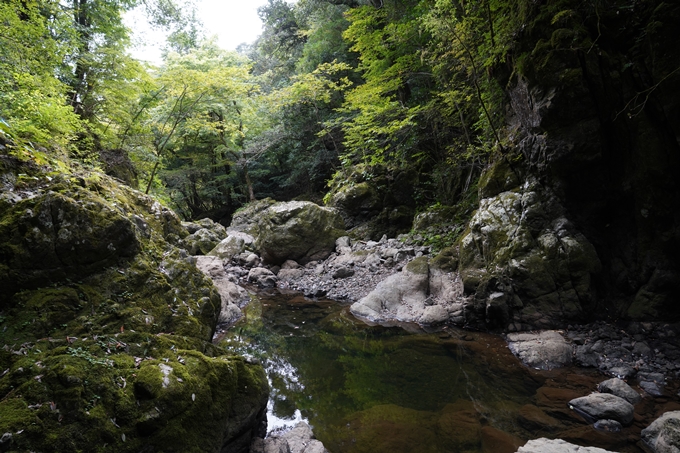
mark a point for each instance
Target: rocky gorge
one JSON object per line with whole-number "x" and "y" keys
{"x": 111, "y": 304}
{"x": 396, "y": 283}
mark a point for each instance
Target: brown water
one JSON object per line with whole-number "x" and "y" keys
{"x": 376, "y": 389}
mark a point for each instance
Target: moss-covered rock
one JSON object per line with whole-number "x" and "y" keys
{"x": 105, "y": 325}
{"x": 357, "y": 203}
{"x": 297, "y": 230}
{"x": 525, "y": 262}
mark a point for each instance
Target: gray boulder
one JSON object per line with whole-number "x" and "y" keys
{"x": 619, "y": 388}
{"x": 201, "y": 242}
{"x": 422, "y": 293}
{"x": 663, "y": 435}
{"x": 298, "y": 440}
{"x": 295, "y": 230}
{"x": 544, "y": 445}
{"x": 400, "y": 297}
{"x": 262, "y": 277}
{"x": 232, "y": 295}
{"x": 603, "y": 406}
{"x": 544, "y": 350}
{"x": 233, "y": 245}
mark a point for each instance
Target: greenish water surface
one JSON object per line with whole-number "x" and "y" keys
{"x": 378, "y": 389}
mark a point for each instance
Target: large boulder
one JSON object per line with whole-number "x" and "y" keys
{"x": 603, "y": 406}
{"x": 400, "y": 297}
{"x": 421, "y": 293}
{"x": 663, "y": 435}
{"x": 297, "y": 230}
{"x": 109, "y": 325}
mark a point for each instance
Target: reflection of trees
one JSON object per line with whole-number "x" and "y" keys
{"x": 336, "y": 371}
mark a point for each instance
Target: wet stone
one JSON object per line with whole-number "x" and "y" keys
{"x": 600, "y": 406}
{"x": 652, "y": 388}
{"x": 610, "y": 426}
{"x": 622, "y": 372}
{"x": 619, "y": 388}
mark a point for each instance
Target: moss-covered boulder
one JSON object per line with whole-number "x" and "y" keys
{"x": 525, "y": 263}
{"x": 106, "y": 326}
{"x": 357, "y": 203}
{"x": 297, "y": 230}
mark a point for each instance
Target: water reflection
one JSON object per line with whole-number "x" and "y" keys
{"x": 377, "y": 389}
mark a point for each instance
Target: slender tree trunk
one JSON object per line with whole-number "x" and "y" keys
{"x": 249, "y": 184}
{"x": 153, "y": 174}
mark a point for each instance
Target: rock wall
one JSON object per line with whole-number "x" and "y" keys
{"x": 105, "y": 325}
{"x": 583, "y": 220}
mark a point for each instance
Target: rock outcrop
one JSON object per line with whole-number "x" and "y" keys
{"x": 580, "y": 217}
{"x": 107, "y": 325}
{"x": 520, "y": 243}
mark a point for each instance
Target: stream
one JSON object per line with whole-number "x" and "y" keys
{"x": 377, "y": 389}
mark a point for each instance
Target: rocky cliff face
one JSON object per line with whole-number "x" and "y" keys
{"x": 584, "y": 221}
{"x": 105, "y": 325}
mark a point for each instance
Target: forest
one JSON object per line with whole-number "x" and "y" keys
{"x": 332, "y": 92}
{"x": 385, "y": 109}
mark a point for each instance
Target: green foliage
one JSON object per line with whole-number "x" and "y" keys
{"x": 32, "y": 100}
{"x": 200, "y": 117}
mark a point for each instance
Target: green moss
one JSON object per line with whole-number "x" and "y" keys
{"x": 447, "y": 260}
{"x": 419, "y": 266}
{"x": 500, "y": 177}
{"x": 85, "y": 337}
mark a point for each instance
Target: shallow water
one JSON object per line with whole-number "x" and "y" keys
{"x": 377, "y": 389}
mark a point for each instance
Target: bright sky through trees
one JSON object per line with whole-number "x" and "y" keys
{"x": 233, "y": 21}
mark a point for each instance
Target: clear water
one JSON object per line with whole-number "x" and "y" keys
{"x": 377, "y": 389}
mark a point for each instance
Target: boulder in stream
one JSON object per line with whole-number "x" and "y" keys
{"x": 294, "y": 230}
{"x": 603, "y": 406}
{"x": 618, "y": 387}
{"x": 422, "y": 293}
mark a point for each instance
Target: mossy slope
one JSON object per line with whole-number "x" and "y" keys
{"x": 105, "y": 325}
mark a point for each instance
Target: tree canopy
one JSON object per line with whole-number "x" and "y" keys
{"x": 333, "y": 92}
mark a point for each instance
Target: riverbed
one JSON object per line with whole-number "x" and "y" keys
{"x": 400, "y": 389}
